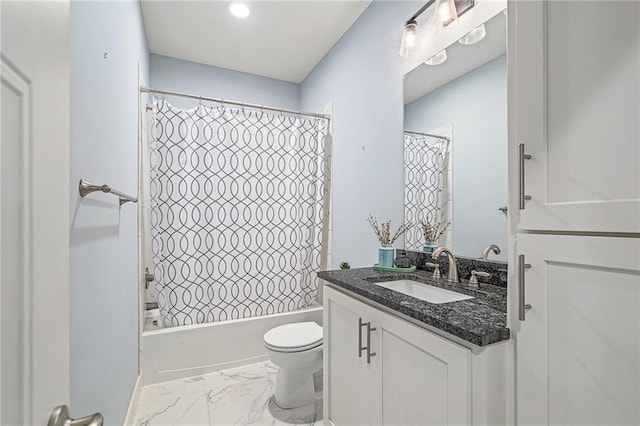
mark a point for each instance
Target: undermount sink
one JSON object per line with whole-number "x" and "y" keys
{"x": 424, "y": 292}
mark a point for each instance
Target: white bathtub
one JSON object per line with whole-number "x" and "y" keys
{"x": 178, "y": 352}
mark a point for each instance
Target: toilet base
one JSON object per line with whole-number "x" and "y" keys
{"x": 294, "y": 389}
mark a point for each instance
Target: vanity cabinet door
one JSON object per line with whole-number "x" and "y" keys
{"x": 574, "y": 80}
{"x": 347, "y": 376}
{"x": 424, "y": 379}
{"x": 578, "y": 349}
{"x": 414, "y": 378}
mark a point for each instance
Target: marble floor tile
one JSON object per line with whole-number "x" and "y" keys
{"x": 180, "y": 410}
{"x": 236, "y": 396}
{"x": 168, "y": 391}
{"x": 240, "y": 396}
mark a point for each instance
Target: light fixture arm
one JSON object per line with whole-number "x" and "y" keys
{"x": 420, "y": 11}
{"x": 468, "y": 5}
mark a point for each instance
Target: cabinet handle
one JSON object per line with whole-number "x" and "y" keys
{"x": 522, "y": 156}
{"x": 369, "y": 353}
{"x": 522, "y": 266}
{"x": 360, "y": 347}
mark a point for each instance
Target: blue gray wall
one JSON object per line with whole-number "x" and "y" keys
{"x": 190, "y": 77}
{"x": 362, "y": 76}
{"x": 476, "y": 104}
{"x": 103, "y": 239}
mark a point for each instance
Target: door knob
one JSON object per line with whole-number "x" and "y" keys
{"x": 60, "y": 417}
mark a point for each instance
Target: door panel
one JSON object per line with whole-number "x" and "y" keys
{"x": 425, "y": 379}
{"x": 578, "y": 99}
{"x": 593, "y": 101}
{"x": 415, "y": 385}
{"x": 578, "y": 350}
{"x": 593, "y": 352}
{"x": 14, "y": 248}
{"x": 348, "y": 383}
{"x": 34, "y": 215}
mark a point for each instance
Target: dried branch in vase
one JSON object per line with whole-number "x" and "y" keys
{"x": 384, "y": 232}
{"x": 433, "y": 231}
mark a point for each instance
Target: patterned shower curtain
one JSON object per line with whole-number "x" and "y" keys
{"x": 237, "y": 206}
{"x": 426, "y": 160}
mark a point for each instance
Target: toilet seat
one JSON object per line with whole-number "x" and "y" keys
{"x": 295, "y": 337}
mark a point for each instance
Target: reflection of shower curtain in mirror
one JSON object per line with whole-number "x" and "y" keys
{"x": 426, "y": 160}
{"x": 237, "y": 204}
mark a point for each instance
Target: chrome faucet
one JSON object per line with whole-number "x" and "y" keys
{"x": 453, "y": 265}
{"x": 492, "y": 247}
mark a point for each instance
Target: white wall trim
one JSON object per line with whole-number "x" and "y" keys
{"x": 133, "y": 403}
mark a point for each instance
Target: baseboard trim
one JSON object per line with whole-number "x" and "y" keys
{"x": 133, "y": 403}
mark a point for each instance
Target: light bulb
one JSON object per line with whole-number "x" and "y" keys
{"x": 474, "y": 35}
{"x": 409, "y": 39}
{"x": 438, "y": 58}
{"x": 446, "y": 12}
{"x": 239, "y": 10}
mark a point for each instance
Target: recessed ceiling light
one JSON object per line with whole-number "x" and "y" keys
{"x": 239, "y": 10}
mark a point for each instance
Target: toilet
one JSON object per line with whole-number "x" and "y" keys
{"x": 296, "y": 349}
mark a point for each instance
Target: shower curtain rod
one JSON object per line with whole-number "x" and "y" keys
{"x": 144, "y": 89}
{"x": 428, "y": 134}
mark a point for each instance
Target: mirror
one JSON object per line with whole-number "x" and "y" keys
{"x": 455, "y": 145}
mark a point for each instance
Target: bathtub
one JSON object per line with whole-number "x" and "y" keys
{"x": 179, "y": 352}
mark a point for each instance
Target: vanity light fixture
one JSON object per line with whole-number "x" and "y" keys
{"x": 438, "y": 58}
{"x": 239, "y": 10}
{"x": 409, "y": 38}
{"x": 474, "y": 35}
{"x": 445, "y": 13}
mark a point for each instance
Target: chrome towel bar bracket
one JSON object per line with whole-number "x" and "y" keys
{"x": 85, "y": 188}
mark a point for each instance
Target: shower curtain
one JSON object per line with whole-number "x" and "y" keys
{"x": 237, "y": 205}
{"x": 426, "y": 186}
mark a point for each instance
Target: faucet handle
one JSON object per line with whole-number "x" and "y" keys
{"x": 436, "y": 269}
{"x": 473, "y": 281}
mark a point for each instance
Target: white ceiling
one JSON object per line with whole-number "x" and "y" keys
{"x": 460, "y": 60}
{"x": 280, "y": 39}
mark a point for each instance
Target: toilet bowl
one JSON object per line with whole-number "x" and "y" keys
{"x": 296, "y": 349}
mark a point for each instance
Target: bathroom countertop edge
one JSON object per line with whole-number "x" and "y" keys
{"x": 478, "y": 322}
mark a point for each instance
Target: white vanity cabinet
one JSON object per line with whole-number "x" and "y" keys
{"x": 578, "y": 350}
{"x": 574, "y": 86}
{"x": 413, "y": 376}
{"x": 574, "y": 83}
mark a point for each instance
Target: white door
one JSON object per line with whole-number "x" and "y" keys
{"x": 578, "y": 349}
{"x": 34, "y": 210}
{"x": 577, "y": 91}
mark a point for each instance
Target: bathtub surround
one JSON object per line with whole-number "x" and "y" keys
{"x": 237, "y": 207}
{"x": 179, "y": 352}
{"x": 235, "y": 396}
{"x": 103, "y": 246}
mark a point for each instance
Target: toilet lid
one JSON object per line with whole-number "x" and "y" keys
{"x": 294, "y": 337}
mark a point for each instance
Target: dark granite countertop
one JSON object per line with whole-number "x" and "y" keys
{"x": 481, "y": 320}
